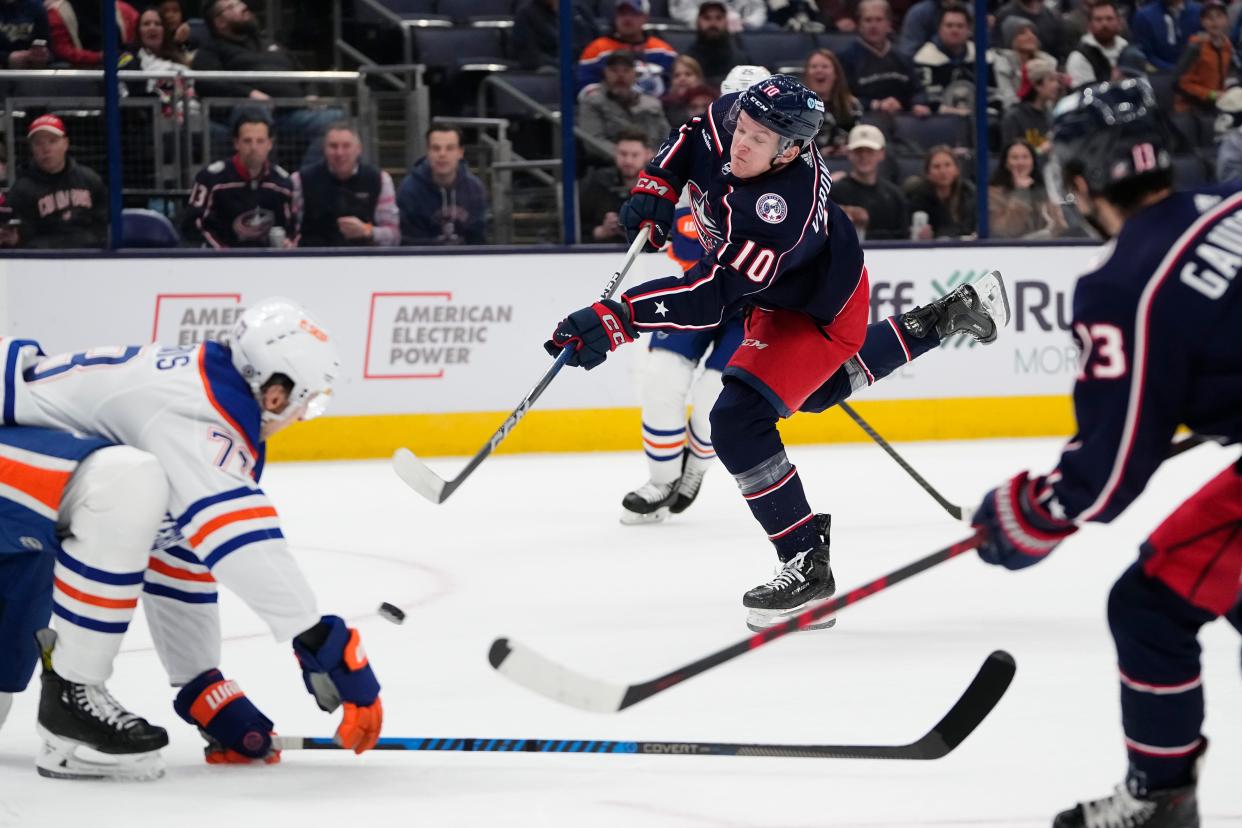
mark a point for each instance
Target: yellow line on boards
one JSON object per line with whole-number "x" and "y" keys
{"x": 617, "y": 429}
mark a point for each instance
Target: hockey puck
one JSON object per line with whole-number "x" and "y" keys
{"x": 391, "y": 612}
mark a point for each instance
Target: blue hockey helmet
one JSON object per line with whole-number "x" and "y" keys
{"x": 783, "y": 105}
{"x": 1110, "y": 134}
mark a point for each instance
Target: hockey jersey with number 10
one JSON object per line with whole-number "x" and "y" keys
{"x": 191, "y": 409}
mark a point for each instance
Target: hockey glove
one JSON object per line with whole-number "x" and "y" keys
{"x": 1019, "y": 530}
{"x": 651, "y": 204}
{"x": 335, "y": 671}
{"x": 237, "y": 733}
{"x": 593, "y": 333}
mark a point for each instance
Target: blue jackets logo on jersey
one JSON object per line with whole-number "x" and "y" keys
{"x": 708, "y": 230}
{"x": 771, "y": 208}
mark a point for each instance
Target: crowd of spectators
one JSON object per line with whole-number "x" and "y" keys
{"x": 893, "y": 64}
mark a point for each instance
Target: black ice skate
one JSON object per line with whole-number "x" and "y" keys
{"x": 978, "y": 310}
{"x": 1171, "y": 808}
{"x": 802, "y": 583}
{"x": 648, "y": 503}
{"x": 87, "y": 734}
{"x": 688, "y": 485}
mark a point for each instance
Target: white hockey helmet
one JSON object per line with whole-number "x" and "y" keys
{"x": 743, "y": 77}
{"x": 277, "y": 336}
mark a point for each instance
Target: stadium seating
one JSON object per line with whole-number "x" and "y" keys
{"x": 454, "y": 50}
{"x": 147, "y": 228}
{"x": 778, "y": 50}
{"x": 835, "y": 42}
{"x": 925, "y": 133}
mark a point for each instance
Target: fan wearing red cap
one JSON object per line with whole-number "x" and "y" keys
{"x": 57, "y": 202}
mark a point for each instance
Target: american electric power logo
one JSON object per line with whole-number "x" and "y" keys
{"x": 421, "y": 335}
{"x": 187, "y": 319}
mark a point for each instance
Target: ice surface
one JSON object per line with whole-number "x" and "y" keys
{"x": 530, "y": 547}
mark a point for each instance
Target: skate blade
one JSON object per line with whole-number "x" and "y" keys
{"x": 758, "y": 620}
{"x": 629, "y": 518}
{"x": 61, "y": 758}
{"x": 992, "y": 295}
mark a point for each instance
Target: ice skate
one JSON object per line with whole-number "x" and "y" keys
{"x": 688, "y": 485}
{"x": 1171, "y": 808}
{"x": 801, "y": 583}
{"x": 648, "y": 503}
{"x": 979, "y": 310}
{"x": 87, "y": 734}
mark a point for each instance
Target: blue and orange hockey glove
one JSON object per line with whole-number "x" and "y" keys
{"x": 336, "y": 672}
{"x": 651, "y": 204}
{"x": 237, "y": 733}
{"x": 1020, "y": 531}
{"x": 593, "y": 333}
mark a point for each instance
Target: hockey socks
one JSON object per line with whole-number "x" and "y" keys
{"x": 744, "y": 430}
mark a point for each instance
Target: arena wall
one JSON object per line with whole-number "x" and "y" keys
{"x": 437, "y": 349}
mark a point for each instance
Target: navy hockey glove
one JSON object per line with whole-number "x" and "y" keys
{"x": 1019, "y": 531}
{"x": 237, "y": 733}
{"x": 651, "y": 203}
{"x": 593, "y": 333}
{"x": 335, "y": 670}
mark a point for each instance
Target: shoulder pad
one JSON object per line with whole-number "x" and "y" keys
{"x": 215, "y": 166}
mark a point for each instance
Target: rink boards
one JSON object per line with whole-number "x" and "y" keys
{"x": 438, "y": 348}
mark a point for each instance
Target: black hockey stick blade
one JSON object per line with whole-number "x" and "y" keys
{"x": 420, "y": 478}
{"x": 974, "y": 705}
{"x": 541, "y": 675}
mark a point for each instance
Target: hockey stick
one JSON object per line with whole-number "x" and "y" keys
{"x": 547, "y": 678}
{"x": 956, "y": 512}
{"x": 966, "y": 714}
{"x": 430, "y": 485}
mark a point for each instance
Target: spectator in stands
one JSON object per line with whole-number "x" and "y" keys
{"x": 1094, "y": 59}
{"x": 342, "y": 201}
{"x": 77, "y": 36}
{"x": 605, "y": 188}
{"x": 822, "y": 73}
{"x": 919, "y": 24}
{"x": 57, "y": 202}
{"x": 1047, "y": 23}
{"x": 948, "y": 58}
{"x": 654, "y": 57}
{"x": 1206, "y": 64}
{"x": 883, "y": 79}
{"x": 949, "y": 201}
{"x": 795, "y": 15}
{"x": 839, "y": 14}
{"x": 877, "y": 207}
{"x": 616, "y": 104}
{"x": 1162, "y": 28}
{"x": 244, "y": 201}
{"x": 1030, "y": 120}
{"x": 440, "y": 200}
{"x": 1018, "y": 205}
{"x": 1229, "y": 131}
{"x": 685, "y": 90}
{"x": 23, "y": 35}
{"x": 1021, "y": 45}
{"x": 236, "y": 45}
{"x": 714, "y": 47}
{"x": 173, "y": 18}
{"x": 742, "y": 14}
{"x": 159, "y": 52}
{"x": 537, "y": 35}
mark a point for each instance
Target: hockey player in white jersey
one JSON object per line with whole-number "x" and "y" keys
{"x": 205, "y": 412}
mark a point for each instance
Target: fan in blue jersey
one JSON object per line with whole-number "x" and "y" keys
{"x": 776, "y": 246}
{"x": 1157, "y": 324}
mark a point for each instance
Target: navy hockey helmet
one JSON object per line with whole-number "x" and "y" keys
{"x": 1109, "y": 133}
{"x": 783, "y": 105}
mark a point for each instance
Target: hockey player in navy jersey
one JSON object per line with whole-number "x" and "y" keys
{"x": 1157, "y": 324}
{"x": 777, "y": 245}
{"x": 205, "y": 412}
